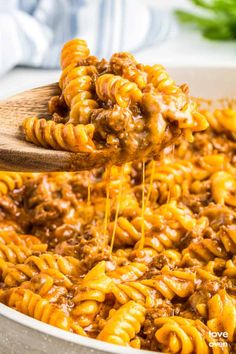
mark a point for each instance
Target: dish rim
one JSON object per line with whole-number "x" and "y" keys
{"x": 58, "y": 333}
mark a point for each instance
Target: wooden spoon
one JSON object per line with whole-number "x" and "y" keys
{"x": 16, "y": 154}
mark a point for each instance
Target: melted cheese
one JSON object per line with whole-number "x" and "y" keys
{"x": 150, "y": 188}
{"x": 141, "y": 244}
{"x": 108, "y": 202}
{"x": 117, "y": 209}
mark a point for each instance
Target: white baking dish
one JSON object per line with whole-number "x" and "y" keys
{"x": 20, "y": 334}
{"x": 24, "y": 335}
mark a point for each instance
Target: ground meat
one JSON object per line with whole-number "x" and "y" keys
{"x": 90, "y": 247}
{"x": 164, "y": 309}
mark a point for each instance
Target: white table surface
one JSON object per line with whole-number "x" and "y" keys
{"x": 186, "y": 49}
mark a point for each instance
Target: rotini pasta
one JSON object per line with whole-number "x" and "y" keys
{"x": 222, "y": 314}
{"x": 135, "y": 291}
{"x": 58, "y": 136}
{"x": 224, "y": 188}
{"x": 90, "y": 293}
{"x": 15, "y": 254}
{"x": 176, "y": 335}
{"x": 169, "y": 181}
{"x": 123, "y": 324}
{"x": 118, "y": 90}
{"x": 77, "y": 89}
{"x": 160, "y": 79}
{"x": 73, "y": 51}
{"x": 15, "y": 275}
{"x": 171, "y": 283}
{"x": 29, "y": 241}
{"x": 222, "y": 120}
{"x": 10, "y": 181}
{"x": 129, "y": 272}
{"x": 122, "y": 108}
{"x": 33, "y": 305}
{"x": 202, "y": 251}
{"x": 49, "y": 284}
{"x": 230, "y": 268}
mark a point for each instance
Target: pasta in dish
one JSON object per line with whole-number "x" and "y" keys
{"x": 141, "y": 254}
{"x": 120, "y": 108}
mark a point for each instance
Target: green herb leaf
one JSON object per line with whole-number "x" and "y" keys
{"x": 218, "y": 19}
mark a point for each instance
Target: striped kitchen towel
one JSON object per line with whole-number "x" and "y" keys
{"x": 32, "y": 32}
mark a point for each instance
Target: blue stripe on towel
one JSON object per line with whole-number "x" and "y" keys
{"x": 38, "y": 28}
{"x": 101, "y": 28}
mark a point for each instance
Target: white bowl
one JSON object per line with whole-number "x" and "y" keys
{"x": 25, "y": 335}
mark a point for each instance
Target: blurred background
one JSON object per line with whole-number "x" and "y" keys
{"x": 176, "y": 33}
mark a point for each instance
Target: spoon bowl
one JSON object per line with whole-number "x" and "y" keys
{"x": 16, "y": 154}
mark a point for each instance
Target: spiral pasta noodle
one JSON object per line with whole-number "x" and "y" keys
{"x": 124, "y": 324}
{"x": 176, "y": 334}
{"x": 33, "y": 305}
{"x": 160, "y": 79}
{"x": 29, "y": 241}
{"x": 48, "y": 134}
{"x": 83, "y": 82}
{"x": 171, "y": 283}
{"x": 91, "y": 292}
{"x": 10, "y": 181}
{"x": 50, "y": 285}
{"x": 171, "y": 179}
{"x": 15, "y": 275}
{"x": 224, "y": 188}
{"x": 77, "y": 89}
{"x": 117, "y": 89}
{"x": 14, "y": 253}
{"x": 222, "y": 314}
{"x": 73, "y": 51}
{"x": 135, "y": 291}
{"x": 205, "y": 250}
{"x": 125, "y": 233}
{"x": 129, "y": 272}
{"x": 155, "y": 243}
{"x": 222, "y": 120}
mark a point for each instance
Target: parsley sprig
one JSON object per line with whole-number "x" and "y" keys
{"x": 217, "y": 19}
